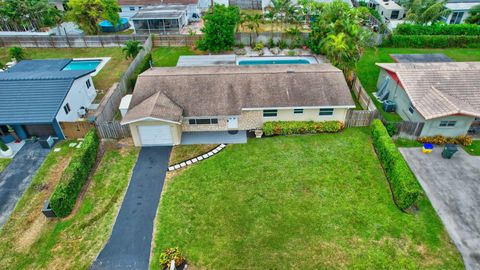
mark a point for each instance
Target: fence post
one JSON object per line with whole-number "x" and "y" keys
{"x": 85, "y": 42}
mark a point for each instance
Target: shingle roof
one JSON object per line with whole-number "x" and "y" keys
{"x": 421, "y": 58}
{"x": 40, "y": 65}
{"x": 154, "y": 2}
{"x": 440, "y": 89}
{"x": 34, "y": 97}
{"x": 225, "y": 90}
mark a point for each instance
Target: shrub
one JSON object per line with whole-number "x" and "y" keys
{"x": 259, "y": 46}
{"x": 438, "y": 29}
{"x": 432, "y": 41}
{"x": 439, "y": 139}
{"x": 17, "y": 53}
{"x": 271, "y": 43}
{"x": 75, "y": 175}
{"x": 291, "y": 53}
{"x": 300, "y": 127}
{"x": 282, "y": 44}
{"x": 391, "y": 129}
{"x": 405, "y": 188}
{"x": 3, "y": 146}
{"x": 240, "y": 45}
{"x": 219, "y": 27}
{"x": 171, "y": 254}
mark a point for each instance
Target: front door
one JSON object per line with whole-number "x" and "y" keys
{"x": 232, "y": 122}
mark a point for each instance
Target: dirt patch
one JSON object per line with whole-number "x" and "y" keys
{"x": 29, "y": 236}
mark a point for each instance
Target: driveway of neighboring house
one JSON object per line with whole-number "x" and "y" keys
{"x": 453, "y": 187}
{"x": 129, "y": 244}
{"x": 16, "y": 177}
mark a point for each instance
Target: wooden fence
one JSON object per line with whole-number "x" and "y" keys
{"x": 112, "y": 130}
{"x": 409, "y": 130}
{"x": 75, "y": 130}
{"x": 360, "y": 118}
{"x": 73, "y": 41}
{"x": 108, "y": 107}
{"x": 362, "y": 96}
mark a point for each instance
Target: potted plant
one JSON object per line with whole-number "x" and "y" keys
{"x": 258, "y": 133}
{"x": 13, "y": 133}
{"x": 172, "y": 254}
{"x": 5, "y": 151}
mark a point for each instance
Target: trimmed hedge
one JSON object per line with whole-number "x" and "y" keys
{"x": 439, "y": 139}
{"x": 403, "y": 183}
{"x": 438, "y": 29}
{"x": 432, "y": 41}
{"x": 300, "y": 127}
{"x": 75, "y": 175}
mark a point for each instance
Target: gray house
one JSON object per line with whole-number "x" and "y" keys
{"x": 444, "y": 96}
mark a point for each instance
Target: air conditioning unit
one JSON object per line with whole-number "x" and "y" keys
{"x": 82, "y": 112}
{"x": 389, "y": 106}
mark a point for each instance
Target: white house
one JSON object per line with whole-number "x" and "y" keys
{"x": 37, "y": 95}
{"x": 388, "y": 9}
{"x": 460, "y": 10}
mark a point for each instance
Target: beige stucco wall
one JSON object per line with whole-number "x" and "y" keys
{"x": 175, "y": 128}
{"x": 339, "y": 114}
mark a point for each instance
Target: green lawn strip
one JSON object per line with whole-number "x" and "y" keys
{"x": 4, "y": 163}
{"x": 110, "y": 73}
{"x": 368, "y": 72}
{"x": 184, "y": 152}
{"x": 401, "y": 142}
{"x": 303, "y": 202}
{"x": 168, "y": 56}
{"x": 74, "y": 242}
{"x": 473, "y": 149}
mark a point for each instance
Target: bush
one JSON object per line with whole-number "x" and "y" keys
{"x": 3, "y": 146}
{"x": 171, "y": 254}
{"x": 391, "y": 129}
{"x": 291, "y": 53}
{"x": 282, "y": 44}
{"x": 271, "y": 43}
{"x": 144, "y": 65}
{"x": 240, "y": 45}
{"x": 438, "y": 29}
{"x": 18, "y": 53}
{"x": 405, "y": 188}
{"x": 75, "y": 175}
{"x": 259, "y": 46}
{"x": 219, "y": 27}
{"x": 300, "y": 127}
{"x": 432, "y": 41}
{"x": 439, "y": 139}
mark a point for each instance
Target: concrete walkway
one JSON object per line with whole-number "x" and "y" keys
{"x": 16, "y": 177}
{"x": 214, "y": 137}
{"x": 129, "y": 244}
{"x": 453, "y": 187}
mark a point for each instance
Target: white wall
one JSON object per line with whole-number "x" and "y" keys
{"x": 78, "y": 96}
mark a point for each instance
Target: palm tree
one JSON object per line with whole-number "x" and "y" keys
{"x": 426, "y": 11}
{"x": 253, "y": 24}
{"x": 336, "y": 48}
{"x": 132, "y": 48}
{"x": 16, "y": 53}
{"x": 474, "y": 17}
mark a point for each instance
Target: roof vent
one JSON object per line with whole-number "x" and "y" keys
{"x": 290, "y": 71}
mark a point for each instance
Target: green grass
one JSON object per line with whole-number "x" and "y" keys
{"x": 473, "y": 149}
{"x": 401, "y": 142}
{"x": 109, "y": 74}
{"x": 30, "y": 241}
{"x": 297, "y": 202}
{"x": 368, "y": 71}
{"x": 4, "y": 163}
{"x": 168, "y": 56}
{"x": 183, "y": 152}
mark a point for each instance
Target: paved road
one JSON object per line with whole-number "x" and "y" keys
{"x": 129, "y": 244}
{"x": 453, "y": 187}
{"x": 15, "y": 179}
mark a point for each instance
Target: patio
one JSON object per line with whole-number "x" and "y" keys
{"x": 214, "y": 137}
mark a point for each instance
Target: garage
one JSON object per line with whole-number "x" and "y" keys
{"x": 40, "y": 130}
{"x": 155, "y": 135}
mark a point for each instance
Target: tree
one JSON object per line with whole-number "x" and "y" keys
{"x": 474, "y": 17}
{"x": 219, "y": 27}
{"x": 16, "y": 53}
{"x": 20, "y": 15}
{"x": 425, "y": 11}
{"x": 252, "y": 22}
{"x": 132, "y": 48}
{"x": 88, "y": 13}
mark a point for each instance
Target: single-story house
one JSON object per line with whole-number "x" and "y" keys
{"x": 169, "y": 101}
{"x": 420, "y": 58}
{"x": 443, "y": 96}
{"x": 37, "y": 95}
{"x": 389, "y": 10}
{"x": 460, "y": 10}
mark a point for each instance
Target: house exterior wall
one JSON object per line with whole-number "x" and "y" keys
{"x": 432, "y": 127}
{"x": 78, "y": 96}
{"x": 175, "y": 128}
{"x": 466, "y": 14}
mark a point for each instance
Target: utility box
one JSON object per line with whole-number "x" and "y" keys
{"x": 389, "y": 106}
{"x": 449, "y": 151}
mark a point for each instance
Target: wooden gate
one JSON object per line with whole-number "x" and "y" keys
{"x": 410, "y": 130}
{"x": 356, "y": 118}
{"x": 75, "y": 130}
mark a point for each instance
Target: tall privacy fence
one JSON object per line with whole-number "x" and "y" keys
{"x": 105, "y": 130}
{"x": 71, "y": 41}
{"x": 108, "y": 107}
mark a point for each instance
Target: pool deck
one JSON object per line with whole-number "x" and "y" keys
{"x": 232, "y": 59}
{"x": 104, "y": 61}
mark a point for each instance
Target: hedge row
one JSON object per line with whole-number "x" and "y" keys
{"x": 439, "y": 139}
{"x": 300, "y": 127}
{"x": 438, "y": 29}
{"x": 432, "y": 41}
{"x": 75, "y": 175}
{"x": 404, "y": 185}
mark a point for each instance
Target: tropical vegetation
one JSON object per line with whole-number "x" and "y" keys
{"x": 27, "y": 15}
{"x": 88, "y": 13}
{"x": 474, "y": 17}
{"x": 220, "y": 23}
{"x": 132, "y": 48}
{"x": 17, "y": 53}
{"x": 425, "y": 11}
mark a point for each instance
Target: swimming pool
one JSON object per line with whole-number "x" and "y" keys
{"x": 82, "y": 65}
{"x": 251, "y": 61}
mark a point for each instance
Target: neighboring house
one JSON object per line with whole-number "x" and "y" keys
{"x": 444, "y": 96}
{"x": 460, "y": 10}
{"x": 160, "y": 19}
{"x": 37, "y": 95}
{"x": 193, "y": 7}
{"x": 420, "y": 58}
{"x": 221, "y": 99}
{"x": 389, "y": 10}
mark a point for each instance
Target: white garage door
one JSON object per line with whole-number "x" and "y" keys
{"x": 155, "y": 135}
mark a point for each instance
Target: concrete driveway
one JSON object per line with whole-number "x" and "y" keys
{"x": 453, "y": 187}
{"x": 130, "y": 242}
{"x": 16, "y": 177}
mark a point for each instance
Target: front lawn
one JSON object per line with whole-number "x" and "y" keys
{"x": 184, "y": 152}
{"x": 168, "y": 56}
{"x": 110, "y": 73}
{"x": 4, "y": 163}
{"x": 368, "y": 72}
{"x": 297, "y": 202}
{"x": 30, "y": 241}
{"x": 473, "y": 149}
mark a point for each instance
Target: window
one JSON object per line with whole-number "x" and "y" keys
{"x": 270, "y": 113}
{"x": 88, "y": 83}
{"x": 411, "y": 109}
{"x": 132, "y": 8}
{"x": 66, "y": 108}
{"x": 326, "y": 111}
{"x": 203, "y": 121}
{"x": 447, "y": 123}
{"x": 394, "y": 14}
{"x": 297, "y": 111}
{"x": 456, "y": 17}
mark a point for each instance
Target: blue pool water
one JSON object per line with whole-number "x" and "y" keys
{"x": 82, "y": 65}
{"x": 273, "y": 62}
